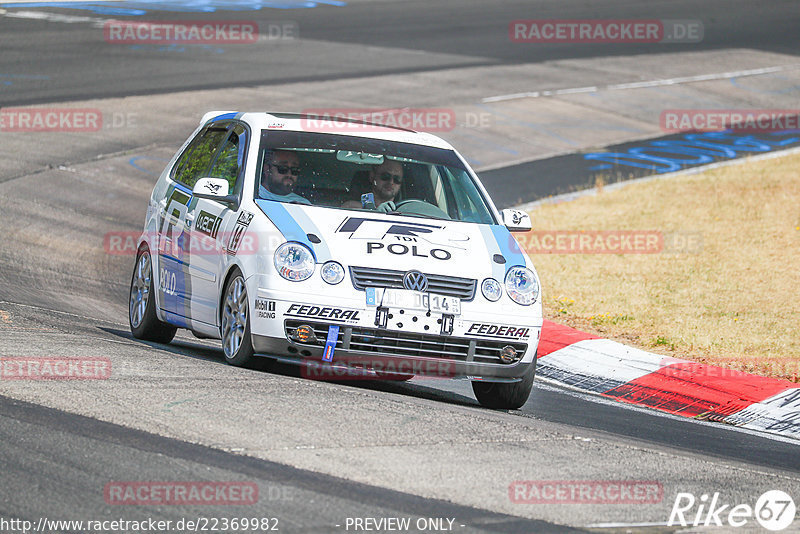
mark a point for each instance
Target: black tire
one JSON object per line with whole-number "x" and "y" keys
{"x": 238, "y": 353}
{"x": 142, "y": 304}
{"x": 506, "y": 396}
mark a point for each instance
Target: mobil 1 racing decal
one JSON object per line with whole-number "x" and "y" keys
{"x": 500, "y": 331}
{"x": 238, "y": 231}
{"x": 328, "y": 313}
{"x": 265, "y": 309}
{"x": 208, "y": 224}
{"x": 420, "y": 240}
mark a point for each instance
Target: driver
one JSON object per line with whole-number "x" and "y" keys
{"x": 281, "y": 170}
{"x": 386, "y": 180}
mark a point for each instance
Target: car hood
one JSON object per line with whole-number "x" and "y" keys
{"x": 378, "y": 240}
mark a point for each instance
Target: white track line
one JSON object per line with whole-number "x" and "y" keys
{"x": 54, "y": 17}
{"x": 639, "y": 85}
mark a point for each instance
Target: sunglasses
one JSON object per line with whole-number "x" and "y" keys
{"x": 284, "y": 169}
{"x": 396, "y": 178}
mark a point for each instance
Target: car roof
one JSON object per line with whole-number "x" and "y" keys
{"x": 300, "y": 122}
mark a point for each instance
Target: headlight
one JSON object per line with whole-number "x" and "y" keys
{"x": 521, "y": 285}
{"x": 294, "y": 262}
{"x": 491, "y": 289}
{"x": 332, "y": 272}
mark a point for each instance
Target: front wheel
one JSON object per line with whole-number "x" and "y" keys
{"x": 506, "y": 396}
{"x": 235, "y": 330}
{"x": 142, "y": 304}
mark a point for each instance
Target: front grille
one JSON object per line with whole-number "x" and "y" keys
{"x": 394, "y": 343}
{"x": 463, "y": 288}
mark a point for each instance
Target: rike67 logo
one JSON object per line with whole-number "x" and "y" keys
{"x": 774, "y": 510}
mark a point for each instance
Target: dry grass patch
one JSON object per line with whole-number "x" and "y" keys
{"x": 735, "y": 303}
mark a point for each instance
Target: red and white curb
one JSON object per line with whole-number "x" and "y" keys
{"x": 679, "y": 387}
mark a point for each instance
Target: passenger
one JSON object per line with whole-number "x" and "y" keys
{"x": 279, "y": 176}
{"x": 385, "y": 180}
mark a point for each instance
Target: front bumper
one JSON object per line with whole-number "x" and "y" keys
{"x": 405, "y": 342}
{"x": 370, "y": 352}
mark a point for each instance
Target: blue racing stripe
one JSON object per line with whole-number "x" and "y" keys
{"x": 291, "y": 229}
{"x": 508, "y": 246}
{"x": 298, "y": 213}
{"x": 498, "y": 270}
{"x": 180, "y": 187}
{"x": 176, "y": 320}
{"x": 224, "y": 116}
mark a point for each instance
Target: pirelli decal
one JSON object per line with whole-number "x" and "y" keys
{"x": 498, "y": 331}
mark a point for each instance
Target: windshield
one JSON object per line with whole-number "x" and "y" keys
{"x": 345, "y": 172}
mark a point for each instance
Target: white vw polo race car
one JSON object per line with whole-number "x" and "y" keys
{"x": 350, "y": 248}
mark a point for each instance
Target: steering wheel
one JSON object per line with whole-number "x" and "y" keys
{"x": 407, "y": 202}
{"x": 426, "y": 208}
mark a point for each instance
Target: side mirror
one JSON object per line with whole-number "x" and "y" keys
{"x": 214, "y": 189}
{"x": 516, "y": 220}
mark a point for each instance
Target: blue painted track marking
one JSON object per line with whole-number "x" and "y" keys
{"x": 670, "y": 155}
{"x": 7, "y": 79}
{"x": 142, "y": 7}
{"x": 133, "y": 160}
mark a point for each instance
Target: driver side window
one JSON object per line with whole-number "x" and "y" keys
{"x": 229, "y": 158}
{"x": 196, "y": 159}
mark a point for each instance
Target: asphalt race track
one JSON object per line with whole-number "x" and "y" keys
{"x": 319, "y": 452}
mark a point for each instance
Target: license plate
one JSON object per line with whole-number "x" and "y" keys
{"x": 413, "y": 300}
{"x": 444, "y": 304}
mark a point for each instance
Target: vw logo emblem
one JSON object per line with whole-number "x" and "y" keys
{"x": 415, "y": 281}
